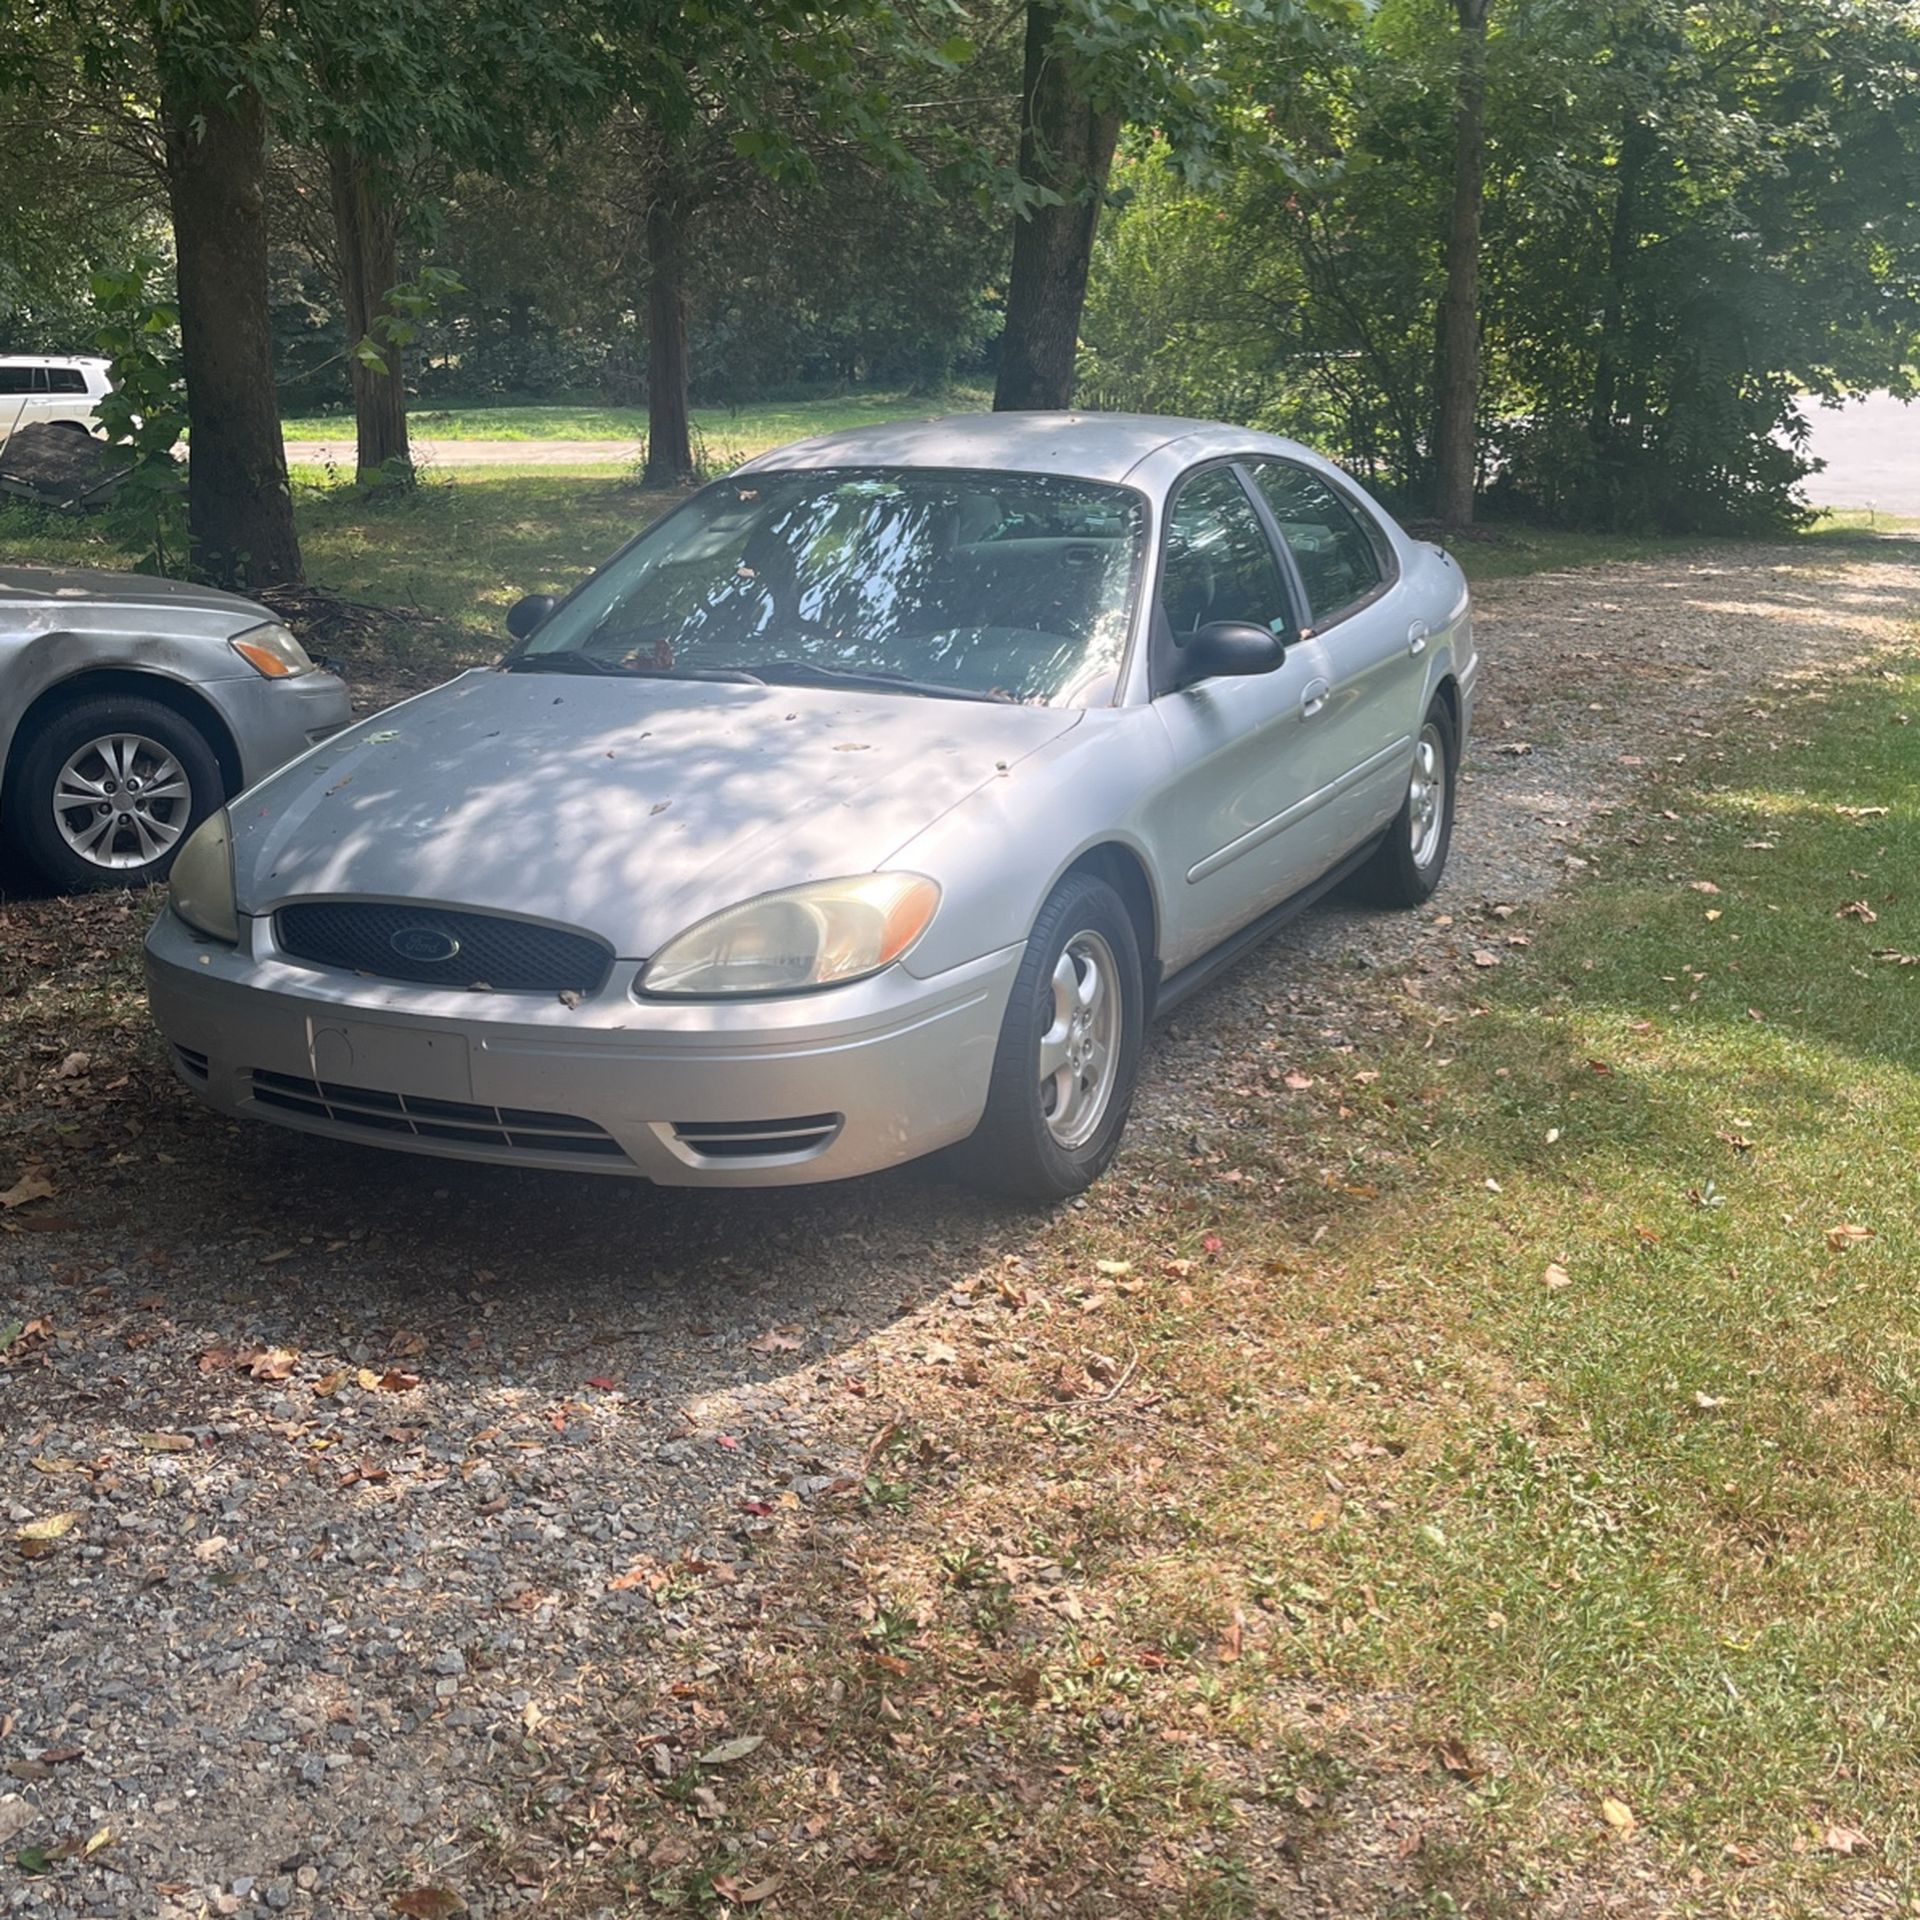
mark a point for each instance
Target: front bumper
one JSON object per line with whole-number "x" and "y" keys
{"x": 274, "y": 721}
{"x": 759, "y": 1093}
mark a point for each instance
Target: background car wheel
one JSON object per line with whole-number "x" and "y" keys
{"x": 108, "y": 790}
{"x": 1069, "y": 1051}
{"x": 1409, "y": 862}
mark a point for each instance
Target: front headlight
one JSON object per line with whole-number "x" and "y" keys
{"x": 818, "y": 935}
{"x": 272, "y": 652}
{"x": 201, "y": 887}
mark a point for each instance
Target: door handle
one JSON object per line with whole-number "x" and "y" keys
{"x": 1313, "y": 696}
{"x": 1417, "y": 637}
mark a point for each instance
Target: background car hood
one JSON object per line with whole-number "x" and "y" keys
{"x": 91, "y": 601}
{"x": 628, "y": 808}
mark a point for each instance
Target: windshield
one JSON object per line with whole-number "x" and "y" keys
{"x": 1007, "y": 586}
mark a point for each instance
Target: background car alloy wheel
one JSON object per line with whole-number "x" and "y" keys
{"x": 1069, "y": 1051}
{"x": 107, "y": 790}
{"x": 122, "y": 801}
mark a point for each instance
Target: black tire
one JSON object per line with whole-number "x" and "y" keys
{"x": 1395, "y": 876}
{"x": 1015, "y": 1152}
{"x": 56, "y": 737}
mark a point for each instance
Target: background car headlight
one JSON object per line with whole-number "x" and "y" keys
{"x": 818, "y": 935}
{"x": 201, "y": 887}
{"x": 272, "y": 652}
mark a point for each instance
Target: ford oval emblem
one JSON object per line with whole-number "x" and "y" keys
{"x": 427, "y": 946}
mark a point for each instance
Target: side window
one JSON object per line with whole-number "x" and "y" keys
{"x": 39, "y": 379}
{"x": 1219, "y": 565}
{"x": 1338, "y": 552}
{"x": 66, "y": 380}
{"x": 16, "y": 380}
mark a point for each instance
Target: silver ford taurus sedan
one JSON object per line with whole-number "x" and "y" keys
{"x": 869, "y": 803}
{"x": 130, "y": 708}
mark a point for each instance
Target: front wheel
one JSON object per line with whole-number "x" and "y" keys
{"x": 1069, "y": 1051}
{"x": 1407, "y": 865}
{"x": 108, "y": 789}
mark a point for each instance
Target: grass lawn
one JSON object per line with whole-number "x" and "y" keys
{"x": 725, "y": 430}
{"x": 469, "y": 541}
{"x": 1488, "y": 1463}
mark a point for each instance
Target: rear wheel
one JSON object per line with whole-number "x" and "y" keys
{"x": 1069, "y": 1051}
{"x": 1407, "y": 865}
{"x": 108, "y": 790}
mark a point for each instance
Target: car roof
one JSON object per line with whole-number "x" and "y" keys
{"x": 1090, "y": 446}
{"x": 53, "y": 360}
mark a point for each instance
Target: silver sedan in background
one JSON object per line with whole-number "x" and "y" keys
{"x": 869, "y": 803}
{"x": 131, "y": 708}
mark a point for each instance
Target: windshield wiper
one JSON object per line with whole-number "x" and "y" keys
{"x": 556, "y": 663}
{"x": 587, "y": 663}
{"x": 880, "y": 677}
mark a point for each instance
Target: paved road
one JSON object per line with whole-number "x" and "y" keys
{"x": 1871, "y": 447}
{"x": 478, "y": 453}
{"x": 1872, "y": 451}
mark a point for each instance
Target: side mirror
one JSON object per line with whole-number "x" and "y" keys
{"x": 530, "y": 613}
{"x": 1230, "y": 649}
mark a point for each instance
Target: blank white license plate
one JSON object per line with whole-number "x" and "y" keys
{"x": 360, "y": 1053}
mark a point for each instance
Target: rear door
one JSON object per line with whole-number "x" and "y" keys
{"x": 1373, "y": 642}
{"x": 1237, "y": 828}
{"x": 16, "y": 399}
{"x": 68, "y": 398}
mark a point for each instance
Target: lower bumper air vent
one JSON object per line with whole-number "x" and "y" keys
{"x": 524, "y": 1129}
{"x": 191, "y": 1063}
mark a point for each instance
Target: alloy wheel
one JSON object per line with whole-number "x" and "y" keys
{"x": 122, "y": 801}
{"x": 1427, "y": 799}
{"x": 1079, "y": 1052}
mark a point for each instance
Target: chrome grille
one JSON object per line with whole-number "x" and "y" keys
{"x": 461, "y": 1121}
{"x": 441, "y": 947}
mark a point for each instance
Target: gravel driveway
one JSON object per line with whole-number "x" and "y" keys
{"x": 353, "y": 1445}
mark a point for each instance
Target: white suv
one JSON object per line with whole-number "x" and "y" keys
{"x": 50, "y": 390}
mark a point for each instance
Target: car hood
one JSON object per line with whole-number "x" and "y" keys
{"x": 630, "y": 809}
{"x": 35, "y": 600}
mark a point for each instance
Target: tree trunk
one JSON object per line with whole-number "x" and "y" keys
{"x": 365, "y": 226}
{"x": 239, "y": 507}
{"x": 1636, "y": 151}
{"x": 1066, "y": 148}
{"x": 1455, "y": 439}
{"x": 669, "y": 429}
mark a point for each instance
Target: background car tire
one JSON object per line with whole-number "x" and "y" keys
{"x": 1407, "y": 865}
{"x": 1029, "y": 1146}
{"x": 66, "y": 734}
